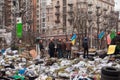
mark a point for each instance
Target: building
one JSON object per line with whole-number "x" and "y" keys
{"x": 8, "y": 12}
{"x": 49, "y": 20}
{"x": 64, "y": 9}
{"x": 39, "y": 16}
{"x": 2, "y": 14}
{"x": 2, "y": 25}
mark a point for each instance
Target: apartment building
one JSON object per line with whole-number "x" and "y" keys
{"x": 2, "y": 14}
{"x": 63, "y": 10}
{"x": 8, "y": 12}
{"x": 39, "y": 16}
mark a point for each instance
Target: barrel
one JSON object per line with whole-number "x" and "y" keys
{"x": 110, "y": 73}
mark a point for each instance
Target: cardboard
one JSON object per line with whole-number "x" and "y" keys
{"x": 111, "y": 49}
{"x": 33, "y": 53}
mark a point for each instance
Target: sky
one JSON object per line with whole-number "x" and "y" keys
{"x": 117, "y": 5}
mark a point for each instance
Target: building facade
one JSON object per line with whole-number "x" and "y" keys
{"x": 2, "y": 14}
{"x": 64, "y": 9}
{"x": 8, "y": 12}
{"x": 39, "y": 16}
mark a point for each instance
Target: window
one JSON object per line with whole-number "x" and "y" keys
{"x": 64, "y": 2}
{"x": 57, "y": 2}
{"x": 38, "y": 30}
{"x": 37, "y": 6}
{"x": 37, "y": 26}
{"x": 37, "y": 11}
{"x": 37, "y": 21}
{"x": 37, "y": 1}
{"x": 64, "y": 9}
{"x": 43, "y": 20}
{"x": 43, "y": 30}
{"x": 37, "y": 16}
{"x": 43, "y": 24}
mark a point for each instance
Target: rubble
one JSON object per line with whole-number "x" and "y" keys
{"x": 23, "y": 66}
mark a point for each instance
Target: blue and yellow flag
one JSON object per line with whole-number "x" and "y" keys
{"x": 100, "y": 36}
{"x": 73, "y": 39}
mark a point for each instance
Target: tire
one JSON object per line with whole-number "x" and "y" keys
{"x": 110, "y": 71}
{"x": 105, "y": 77}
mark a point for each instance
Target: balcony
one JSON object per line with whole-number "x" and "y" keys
{"x": 57, "y": 21}
{"x": 70, "y": 4}
{"x": 57, "y": 6}
{"x": 57, "y": 13}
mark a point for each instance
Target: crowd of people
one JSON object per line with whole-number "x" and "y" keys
{"x": 61, "y": 48}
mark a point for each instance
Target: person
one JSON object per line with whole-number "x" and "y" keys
{"x": 41, "y": 48}
{"x": 85, "y": 46}
{"x": 59, "y": 49}
{"x": 116, "y": 41}
{"x": 51, "y": 48}
{"x": 68, "y": 48}
{"x": 64, "y": 48}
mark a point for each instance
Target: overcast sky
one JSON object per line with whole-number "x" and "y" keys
{"x": 117, "y": 5}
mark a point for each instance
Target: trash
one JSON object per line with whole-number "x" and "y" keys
{"x": 28, "y": 66}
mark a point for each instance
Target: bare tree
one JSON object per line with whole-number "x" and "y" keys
{"x": 80, "y": 25}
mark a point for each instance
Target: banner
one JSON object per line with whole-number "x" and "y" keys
{"x": 19, "y": 27}
{"x": 111, "y": 49}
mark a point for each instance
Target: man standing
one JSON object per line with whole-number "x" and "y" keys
{"x": 59, "y": 49}
{"x": 51, "y": 48}
{"x": 64, "y": 48}
{"x": 68, "y": 48}
{"x": 85, "y": 46}
{"x": 41, "y": 49}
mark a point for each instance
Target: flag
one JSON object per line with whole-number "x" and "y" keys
{"x": 108, "y": 39}
{"x": 100, "y": 36}
{"x": 73, "y": 39}
{"x": 112, "y": 35}
{"x": 19, "y": 27}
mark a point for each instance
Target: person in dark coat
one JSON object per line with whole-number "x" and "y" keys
{"x": 51, "y": 48}
{"x": 64, "y": 48}
{"x": 85, "y": 46}
{"x": 41, "y": 48}
{"x": 59, "y": 49}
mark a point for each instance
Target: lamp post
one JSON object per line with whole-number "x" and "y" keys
{"x": 70, "y": 12}
{"x": 89, "y": 21}
{"x": 57, "y": 13}
{"x": 98, "y": 22}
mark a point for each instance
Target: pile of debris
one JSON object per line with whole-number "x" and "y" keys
{"x": 23, "y": 66}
